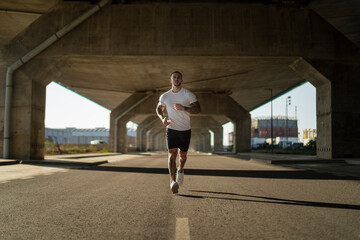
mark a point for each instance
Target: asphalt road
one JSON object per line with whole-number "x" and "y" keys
{"x": 222, "y": 198}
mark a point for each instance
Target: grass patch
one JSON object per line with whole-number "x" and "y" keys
{"x": 52, "y": 148}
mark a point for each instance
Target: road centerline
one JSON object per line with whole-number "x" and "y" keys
{"x": 182, "y": 229}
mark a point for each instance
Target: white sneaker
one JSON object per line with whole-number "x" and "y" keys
{"x": 180, "y": 177}
{"x": 174, "y": 186}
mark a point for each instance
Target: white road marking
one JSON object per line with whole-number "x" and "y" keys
{"x": 182, "y": 229}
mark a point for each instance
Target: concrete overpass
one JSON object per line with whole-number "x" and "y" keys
{"x": 120, "y": 56}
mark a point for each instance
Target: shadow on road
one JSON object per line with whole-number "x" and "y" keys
{"x": 277, "y": 174}
{"x": 270, "y": 200}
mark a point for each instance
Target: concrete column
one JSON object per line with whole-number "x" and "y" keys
{"x": 337, "y": 106}
{"x": 194, "y": 142}
{"x": 242, "y": 132}
{"x": 145, "y": 133}
{"x": 324, "y": 121}
{"x": 201, "y": 139}
{"x": 163, "y": 143}
{"x": 218, "y": 139}
{"x": 207, "y": 141}
{"x": 125, "y": 111}
{"x": 156, "y": 141}
{"x": 122, "y": 134}
{"x": 151, "y": 134}
{"x": 159, "y": 140}
{"x": 208, "y": 122}
{"x": 202, "y": 143}
{"x": 2, "y": 106}
{"x": 27, "y": 129}
{"x": 141, "y": 132}
{"x": 338, "y": 113}
{"x": 197, "y": 142}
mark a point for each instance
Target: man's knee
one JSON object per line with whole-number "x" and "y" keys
{"x": 173, "y": 152}
{"x": 183, "y": 155}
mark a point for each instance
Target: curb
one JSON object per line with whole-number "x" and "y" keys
{"x": 8, "y": 162}
{"x": 64, "y": 162}
{"x": 279, "y": 162}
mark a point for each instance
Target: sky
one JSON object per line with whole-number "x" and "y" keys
{"x": 65, "y": 108}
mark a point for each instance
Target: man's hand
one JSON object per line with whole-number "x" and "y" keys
{"x": 166, "y": 121}
{"x": 179, "y": 107}
{"x": 194, "y": 107}
{"x": 160, "y": 112}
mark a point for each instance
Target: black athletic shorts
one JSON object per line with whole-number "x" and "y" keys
{"x": 178, "y": 139}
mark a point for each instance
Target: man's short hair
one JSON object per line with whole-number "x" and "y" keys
{"x": 176, "y": 72}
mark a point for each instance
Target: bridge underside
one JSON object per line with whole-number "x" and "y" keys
{"x": 229, "y": 53}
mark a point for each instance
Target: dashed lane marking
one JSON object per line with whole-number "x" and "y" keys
{"x": 182, "y": 229}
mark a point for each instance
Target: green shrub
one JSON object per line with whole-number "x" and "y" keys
{"x": 104, "y": 150}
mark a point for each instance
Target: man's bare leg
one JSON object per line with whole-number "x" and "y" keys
{"x": 183, "y": 158}
{"x": 172, "y": 163}
{"x": 180, "y": 173}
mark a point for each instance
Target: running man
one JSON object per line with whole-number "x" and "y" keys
{"x": 178, "y": 103}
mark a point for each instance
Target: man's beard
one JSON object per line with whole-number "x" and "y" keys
{"x": 179, "y": 84}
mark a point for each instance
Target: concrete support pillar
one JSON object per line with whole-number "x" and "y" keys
{"x": 202, "y": 143}
{"x": 207, "y": 142}
{"x": 120, "y": 116}
{"x": 163, "y": 143}
{"x": 338, "y": 113}
{"x": 337, "y": 106}
{"x": 242, "y": 133}
{"x": 27, "y": 130}
{"x": 203, "y": 140}
{"x": 192, "y": 146}
{"x": 324, "y": 121}
{"x": 141, "y": 132}
{"x": 156, "y": 141}
{"x": 218, "y": 139}
{"x": 159, "y": 141}
{"x": 194, "y": 142}
{"x": 156, "y": 124}
{"x": 122, "y": 134}
{"x": 208, "y": 122}
{"x": 152, "y": 137}
{"x": 198, "y": 143}
{"x": 2, "y": 106}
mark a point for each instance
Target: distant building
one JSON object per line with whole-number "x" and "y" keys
{"x": 308, "y": 135}
{"x": 285, "y": 131}
{"x": 76, "y": 135}
{"x": 84, "y": 135}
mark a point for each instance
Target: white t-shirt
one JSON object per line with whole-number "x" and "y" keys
{"x": 180, "y": 120}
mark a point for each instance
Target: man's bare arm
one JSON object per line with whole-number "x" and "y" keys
{"x": 194, "y": 108}
{"x": 160, "y": 111}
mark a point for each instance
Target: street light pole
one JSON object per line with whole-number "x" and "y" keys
{"x": 288, "y": 102}
{"x": 272, "y": 136}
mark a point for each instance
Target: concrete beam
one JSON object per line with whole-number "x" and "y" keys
{"x": 262, "y": 34}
